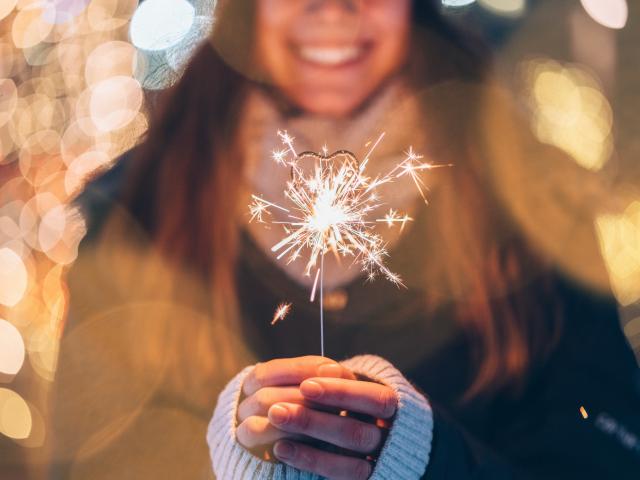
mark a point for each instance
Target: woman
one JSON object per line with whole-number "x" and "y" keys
{"x": 496, "y": 335}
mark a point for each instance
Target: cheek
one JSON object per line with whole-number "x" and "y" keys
{"x": 273, "y": 20}
{"x": 392, "y": 22}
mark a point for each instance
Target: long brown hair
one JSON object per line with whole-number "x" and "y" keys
{"x": 188, "y": 178}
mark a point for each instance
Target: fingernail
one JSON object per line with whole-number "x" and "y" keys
{"x": 278, "y": 414}
{"x": 330, "y": 370}
{"x": 284, "y": 450}
{"x": 311, "y": 389}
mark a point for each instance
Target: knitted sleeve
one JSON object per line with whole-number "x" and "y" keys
{"x": 405, "y": 453}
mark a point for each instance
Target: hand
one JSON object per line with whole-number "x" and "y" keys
{"x": 277, "y": 410}
{"x": 354, "y": 436}
{"x": 272, "y": 382}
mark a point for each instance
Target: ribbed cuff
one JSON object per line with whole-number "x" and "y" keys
{"x": 405, "y": 453}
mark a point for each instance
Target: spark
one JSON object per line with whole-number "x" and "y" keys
{"x": 331, "y": 201}
{"x": 279, "y": 156}
{"x": 412, "y": 166}
{"x": 394, "y": 217}
{"x": 281, "y": 312}
{"x": 259, "y": 207}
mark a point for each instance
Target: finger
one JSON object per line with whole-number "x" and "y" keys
{"x": 257, "y": 431}
{"x": 369, "y": 398}
{"x": 292, "y": 371}
{"x": 325, "y": 464}
{"x": 258, "y": 404}
{"x": 338, "y": 430}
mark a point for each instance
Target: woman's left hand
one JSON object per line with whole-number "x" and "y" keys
{"x": 359, "y": 438}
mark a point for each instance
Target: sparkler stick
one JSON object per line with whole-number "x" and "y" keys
{"x": 331, "y": 201}
{"x": 322, "y": 305}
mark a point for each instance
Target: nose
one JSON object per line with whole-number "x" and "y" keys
{"x": 332, "y": 10}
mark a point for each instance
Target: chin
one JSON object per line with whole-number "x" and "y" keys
{"x": 330, "y": 106}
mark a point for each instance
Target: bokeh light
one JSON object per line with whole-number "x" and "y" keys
{"x": 160, "y": 24}
{"x": 110, "y": 59}
{"x": 8, "y": 100}
{"x": 570, "y": 111}
{"x": 620, "y": 242}
{"x": 69, "y": 105}
{"x": 13, "y": 277}
{"x": 6, "y": 7}
{"x": 30, "y": 26}
{"x": 457, "y": 3}
{"x": 115, "y": 102}
{"x": 15, "y": 415}
{"x": 609, "y": 13}
{"x": 507, "y": 8}
{"x": 107, "y": 15}
{"x": 63, "y": 11}
{"x": 11, "y": 348}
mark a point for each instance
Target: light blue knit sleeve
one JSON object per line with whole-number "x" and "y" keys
{"x": 405, "y": 453}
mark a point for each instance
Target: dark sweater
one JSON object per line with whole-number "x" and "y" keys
{"x": 538, "y": 433}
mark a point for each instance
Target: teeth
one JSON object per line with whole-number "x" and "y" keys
{"x": 330, "y": 56}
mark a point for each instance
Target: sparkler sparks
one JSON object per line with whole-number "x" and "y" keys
{"x": 281, "y": 312}
{"x": 331, "y": 201}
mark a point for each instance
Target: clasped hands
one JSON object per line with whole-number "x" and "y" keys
{"x": 316, "y": 415}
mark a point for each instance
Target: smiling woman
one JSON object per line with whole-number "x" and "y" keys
{"x": 481, "y": 364}
{"x": 328, "y": 58}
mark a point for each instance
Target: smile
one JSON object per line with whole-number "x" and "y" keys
{"x": 331, "y": 56}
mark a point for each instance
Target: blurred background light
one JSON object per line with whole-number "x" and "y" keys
{"x": 6, "y": 7}
{"x": 109, "y": 59}
{"x": 507, "y": 8}
{"x": 13, "y": 277}
{"x": 63, "y": 11}
{"x": 8, "y": 99}
{"x": 30, "y": 26}
{"x": 457, "y": 3}
{"x": 610, "y": 13}
{"x": 11, "y": 348}
{"x": 115, "y": 102}
{"x": 570, "y": 111}
{"x": 160, "y": 24}
{"x": 178, "y": 56}
{"x": 15, "y": 416}
{"x": 107, "y": 15}
{"x": 620, "y": 242}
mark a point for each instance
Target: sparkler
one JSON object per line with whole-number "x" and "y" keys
{"x": 331, "y": 199}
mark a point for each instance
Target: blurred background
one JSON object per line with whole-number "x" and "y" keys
{"x": 77, "y": 80}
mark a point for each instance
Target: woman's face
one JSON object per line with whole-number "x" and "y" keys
{"x": 328, "y": 56}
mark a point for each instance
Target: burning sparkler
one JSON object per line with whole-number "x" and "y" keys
{"x": 331, "y": 198}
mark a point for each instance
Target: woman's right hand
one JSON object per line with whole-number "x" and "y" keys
{"x": 273, "y": 382}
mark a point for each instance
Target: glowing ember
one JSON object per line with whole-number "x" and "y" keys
{"x": 281, "y": 312}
